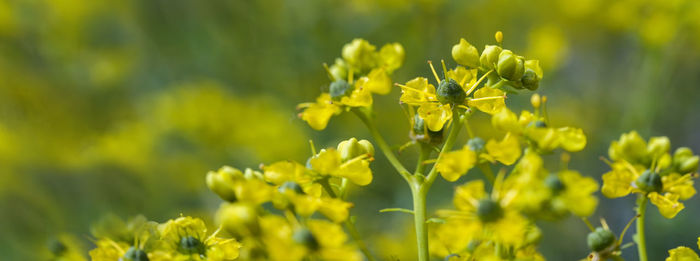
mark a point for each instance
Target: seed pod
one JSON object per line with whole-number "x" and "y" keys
{"x": 554, "y": 183}
{"x": 339, "y": 88}
{"x": 489, "y": 57}
{"x": 134, "y": 254}
{"x": 450, "y": 92}
{"x": 600, "y": 239}
{"x": 510, "y": 66}
{"x": 465, "y": 54}
{"x": 190, "y": 245}
{"x": 649, "y": 181}
{"x": 530, "y": 80}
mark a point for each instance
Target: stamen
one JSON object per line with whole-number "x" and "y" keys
{"x": 444, "y": 68}
{"x": 434, "y": 72}
{"x": 313, "y": 148}
{"x": 350, "y": 76}
{"x": 413, "y": 89}
{"x": 488, "y": 98}
{"x": 471, "y": 89}
{"x": 328, "y": 71}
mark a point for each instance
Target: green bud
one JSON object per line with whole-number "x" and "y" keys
{"x": 658, "y": 146}
{"x": 221, "y": 182}
{"x": 339, "y": 88}
{"x": 190, "y": 245}
{"x": 649, "y": 181}
{"x": 352, "y": 148}
{"x": 489, "y": 57}
{"x": 601, "y": 239}
{"x": 134, "y": 254}
{"x": 530, "y": 80}
{"x": 476, "y": 144}
{"x": 450, "y": 92}
{"x": 290, "y": 186}
{"x": 339, "y": 70}
{"x": 689, "y": 165}
{"x": 554, "y": 183}
{"x": 465, "y": 54}
{"x": 304, "y": 237}
{"x": 510, "y": 66}
{"x": 489, "y": 210}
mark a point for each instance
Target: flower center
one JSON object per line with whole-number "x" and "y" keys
{"x": 190, "y": 245}
{"x": 489, "y": 210}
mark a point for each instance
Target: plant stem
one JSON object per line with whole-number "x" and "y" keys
{"x": 383, "y": 146}
{"x": 641, "y": 240}
{"x": 419, "y": 193}
{"x": 425, "y": 150}
{"x": 349, "y": 225}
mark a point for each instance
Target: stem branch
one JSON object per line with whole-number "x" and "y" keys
{"x": 641, "y": 240}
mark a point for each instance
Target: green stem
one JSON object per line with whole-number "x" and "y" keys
{"x": 488, "y": 172}
{"x": 420, "y": 194}
{"x": 457, "y": 122}
{"x": 641, "y": 240}
{"x": 425, "y": 150}
{"x": 383, "y": 146}
{"x": 349, "y": 225}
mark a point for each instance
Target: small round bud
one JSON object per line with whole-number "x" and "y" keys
{"x": 658, "y": 146}
{"x": 601, "y": 239}
{"x": 450, "y": 92}
{"x": 290, "y": 186}
{"x": 689, "y": 165}
{"x": 190, "y": 245}
{"x": 554, "y": 183}
{"x": 489, "y": 210}
{"x": 352, "y": 148}
{"x": 465, "y": 54}
{"x": 304, "y": 237}
{"x": 134, "y": 254}
{"x": 339, "y": 70}
{"x": 530, "y": 80}
{"x": 489, "y": 57}
{"x": 360, "y": 54}
{"x": 510, "y": 66}
{"x": 339, "y": 88}
{"x": 535, "y": 100}
{"x": 476, "y": 144}
{"x": 221, "y": 182}
{"x": 499, "y": 37}
{"x": 649, "y": 181}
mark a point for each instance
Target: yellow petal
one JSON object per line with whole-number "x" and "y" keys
{"x": 356, "y": 170}
{"x": 417, "y": 92}
{"x": 318, "y": 114}
{"x": 547, "y": 139}
{"x": 335, "y": 209}
{"x": 679, "y": 184}
{"x": 489, "y": 106}
{"x": 391, "y": 56}
{"x": 571, "y": 139}
{"x": 505, "y": 120}
{"x": 507, "y": 151}
{"x": 617, "y": 182}
{"x": 467, "y": 195}
{"x": 578, "y": 195}
{"x": 454, "y": 164}
{"x": 379, "y": 81}
{"x": 327, "y": 234}
{"x": 435, "y": 115}
{"x": 327, "y": 161}
{"x": 682, "y": 254}
{"x": 668, "y": 204}
{"x": 360, "y": 96}
{"x": 281, "y": 171}
{"x": 465, "y": 77}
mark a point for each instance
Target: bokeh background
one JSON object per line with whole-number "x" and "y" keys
{"x": 122, "y": 106}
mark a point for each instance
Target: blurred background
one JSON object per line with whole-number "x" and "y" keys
{"x": 122, "y": 106}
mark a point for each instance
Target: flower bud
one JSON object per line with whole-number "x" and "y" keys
{"x": 360, "y": 54}
{"x": 684, "y": 160}
{"x": 601, "y": 239}
{"x": 221, "y": 182}
{"x": 510, "y": 66}
{"x": 689, "y": 165}
{"x": 530, "y": 80}
{"x": 535, "y": 100}
{"x": 489, "y": 210}
{"x": 339, "y": 70}
{"x": 450, "y": 92}
{"x": 476, "y": 144}
{"x": 465, "y": 54}
{"x": 304, "y": 237}
{"x": 352, "y": 148}
{"x": 658, "y": 146}
{"x": 489, "y": 57}
{"x": 649, "y": 181}
{"x": 339, "y": 88}
{"x": 239, "y": 219}
{"x": 134, "y": 254}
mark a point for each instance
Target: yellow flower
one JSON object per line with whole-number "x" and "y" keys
{"x": 318, "y": 114}
{"x": 577, "y": 194}
{"x": 488, "y": 100}
{"x": 332, "y": 242}
{"x": 454, "y": 164}
{"x": 506, "y": 151}
{"x": 187, "y": 237}
{"x": 682, "y": 254}
{"x": 277, "y": 239}
{"x": 328, "y": 162}
{"x": 618, "y": 181}
{"x": 667, "y": 204}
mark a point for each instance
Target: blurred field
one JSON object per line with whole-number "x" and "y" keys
{"x": 123, "y": 106}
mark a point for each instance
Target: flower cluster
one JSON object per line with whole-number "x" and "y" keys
{"x": 296, "y": 191}
{"x": 183, "y": 238}
{"x": 362, "y": 71}
{"x": 648, "y": 169}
